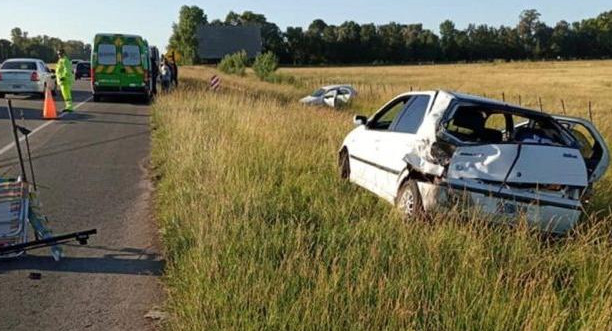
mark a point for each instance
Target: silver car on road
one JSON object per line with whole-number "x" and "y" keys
{"x": 26, "y": 76}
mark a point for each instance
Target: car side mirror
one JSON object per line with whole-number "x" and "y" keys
{"x": 360, "y": 120}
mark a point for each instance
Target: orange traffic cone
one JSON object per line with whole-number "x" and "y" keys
{"x": 49, "y": 111}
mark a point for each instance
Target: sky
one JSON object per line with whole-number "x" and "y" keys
{"x": 82, "y": 19}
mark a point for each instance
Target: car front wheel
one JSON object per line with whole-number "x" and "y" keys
{"x": 409, "y": 200}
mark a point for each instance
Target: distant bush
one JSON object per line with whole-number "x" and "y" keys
{"x": 234, "y": 64}
{"x": 265, "y": 65}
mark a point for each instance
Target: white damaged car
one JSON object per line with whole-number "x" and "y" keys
{"x": 425, "y": 150}
{"x": 332, "y": 96}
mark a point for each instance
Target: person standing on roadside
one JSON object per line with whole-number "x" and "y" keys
{"x": 63, "y": 73}
{"x": 174, "y": 68}
{"x": 165, "y": 75}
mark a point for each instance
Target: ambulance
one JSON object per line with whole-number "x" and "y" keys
{"x": 120, "y": 66}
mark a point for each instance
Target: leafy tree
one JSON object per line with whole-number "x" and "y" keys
{"x": 184, "y": 33}
{"x": 265, "y": 65}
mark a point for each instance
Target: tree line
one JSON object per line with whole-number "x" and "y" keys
{"x": 353, "y": 43}
{"x": 41, "y": 47}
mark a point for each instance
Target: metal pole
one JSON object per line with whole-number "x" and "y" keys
{"x": 540, "y": 102}
{"x": 563, "y": 106}
{"x": 26, "y": 133}
{"x": 17, "y": 145}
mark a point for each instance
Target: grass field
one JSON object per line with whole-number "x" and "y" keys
{"x": 260, "y": 233}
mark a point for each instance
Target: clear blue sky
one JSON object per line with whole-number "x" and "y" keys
{"x": 81, "y": 19}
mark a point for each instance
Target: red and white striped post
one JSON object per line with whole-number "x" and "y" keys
{"x": 215, "y": 83}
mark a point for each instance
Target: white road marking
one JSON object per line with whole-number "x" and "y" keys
{"x": 40, "y": 127}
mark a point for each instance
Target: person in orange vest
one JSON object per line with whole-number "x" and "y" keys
{"x": 65, "y": 78}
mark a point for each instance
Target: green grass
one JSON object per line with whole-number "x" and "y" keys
{"x": 260, "y": 233}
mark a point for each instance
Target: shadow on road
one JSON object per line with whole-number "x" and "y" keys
{"x": 124, "y": 261}
{"x": 22, "y": 113}
{"x": 9, "y": 162}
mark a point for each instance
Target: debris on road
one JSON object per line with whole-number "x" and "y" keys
{"x": 35, "y": 275}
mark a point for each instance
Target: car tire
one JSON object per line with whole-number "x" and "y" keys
{"x": 409, "y": 200}
{"x": 2, "y": 95}
{"x": 146, "y": 99}
{"x": 96, "y": 98}
{"x": 344, "y": 165}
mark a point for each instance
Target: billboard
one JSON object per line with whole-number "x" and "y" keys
{"x": 216, "y": 41}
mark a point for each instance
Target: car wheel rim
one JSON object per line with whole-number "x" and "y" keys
{"x": 407, "y": 202}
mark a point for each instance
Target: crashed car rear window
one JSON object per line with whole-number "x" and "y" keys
{"x": 485, "y": 124}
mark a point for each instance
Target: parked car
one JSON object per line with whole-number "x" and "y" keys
{"x": 428, "y": 150}
{"x": 121, "y": 66}
{"x": 332, "y": 96}
{"x": 82, "y": 70}
{"x": 26, "y": 76}
{"x": 74, "y": 63}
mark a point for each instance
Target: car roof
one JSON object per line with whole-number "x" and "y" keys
{"x": 23, "y": 60}
{"x": 118, "y": 35}
{"x": 329, "y": 87}
{"x": 486, "y": 101}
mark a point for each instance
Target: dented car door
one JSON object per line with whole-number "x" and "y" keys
{"x": 400, "y": 139}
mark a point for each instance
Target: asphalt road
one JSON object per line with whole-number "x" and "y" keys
{"x": 91, "y": 167}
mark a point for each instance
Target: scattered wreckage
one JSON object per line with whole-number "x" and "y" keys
{"x": 332, "y": 96}
{"x": 429, "y": 150}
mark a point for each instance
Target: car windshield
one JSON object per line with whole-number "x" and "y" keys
{"x": 318, "y": 93}
{"x": 19, "y": 65}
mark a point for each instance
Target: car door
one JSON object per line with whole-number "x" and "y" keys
{"x": 399, "y": 140}
{"x": 593, "y": 147}
{"x": 106, "y": 65}
{"x": 364, "y": 151}
{"x": 329, "y": 98}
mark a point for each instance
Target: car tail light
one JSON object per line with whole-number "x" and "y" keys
{"x": 0, "y": 76}
{"x": 92, "y": 73}
{"x": 34, "y": 77}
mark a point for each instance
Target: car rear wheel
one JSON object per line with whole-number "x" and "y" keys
{"x": 1, "y": 95}
{"x": 409, "y": 200}
{"x": 344, "y": 165}
{"x": 96, "y": 98}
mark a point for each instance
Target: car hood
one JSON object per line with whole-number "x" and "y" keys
{"x": 310, "y": 100}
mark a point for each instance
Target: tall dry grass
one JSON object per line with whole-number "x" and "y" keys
{"x": 261, "y": 234}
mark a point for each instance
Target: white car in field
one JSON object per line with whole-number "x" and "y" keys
{"x": 426, "y": 150}
{"x": 332, "y": 96}
{"x": 26, "y": 76}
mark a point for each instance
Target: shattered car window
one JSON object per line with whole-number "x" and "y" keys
{"x": 489, "y": 125}
{"x": 318, "y": 93}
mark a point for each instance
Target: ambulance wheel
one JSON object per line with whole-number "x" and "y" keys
{"x": 409, "y": 200}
